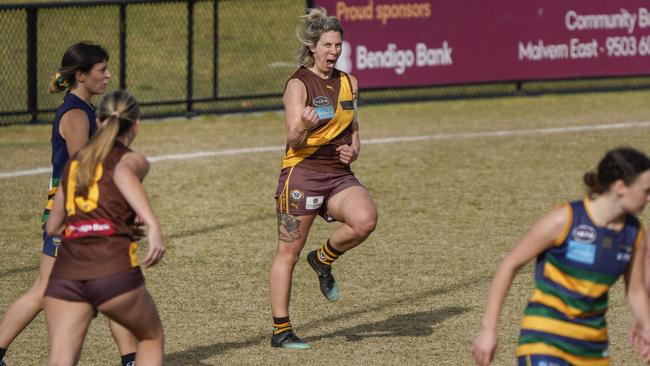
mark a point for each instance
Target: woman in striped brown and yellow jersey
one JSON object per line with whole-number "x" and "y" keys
{"x": 315, "y": 179}
{"x": 582, "y": 248}
{"x": 97, "y": 268}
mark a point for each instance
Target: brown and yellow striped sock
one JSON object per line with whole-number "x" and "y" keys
{"x": 281, "y": 325}
{"x": 327, "y": 254}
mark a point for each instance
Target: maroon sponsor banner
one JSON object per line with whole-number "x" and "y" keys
{"x": 411, "y": 43}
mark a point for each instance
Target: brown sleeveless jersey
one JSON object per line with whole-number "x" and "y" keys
{"x": 333, "y": 100}
{"x": 98, "y": 239}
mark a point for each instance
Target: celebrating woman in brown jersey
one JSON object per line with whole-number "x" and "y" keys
{"x": 316, "y": 179}
{"x": 94, "y": 213}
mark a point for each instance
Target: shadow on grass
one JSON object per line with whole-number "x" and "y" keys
{"x": 217, "y": 227}
{"x": 417, "y": 324}
{"x": 404, "y": 325}
{"x": 14, "y": 271}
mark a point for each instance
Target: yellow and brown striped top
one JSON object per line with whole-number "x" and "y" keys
{"x": 333, "y": 100}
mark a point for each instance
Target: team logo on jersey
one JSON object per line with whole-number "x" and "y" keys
{"x": 323, "y": 107}
{"x": 584, "y": 233}
{"x": 296, "y": 195}
{"x": 624, "y": 254}
{"x": 608, "y": 242}
{"x": 314, "y": 202}
{"x": 623, "y": 257}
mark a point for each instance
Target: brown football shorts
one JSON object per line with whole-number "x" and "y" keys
{"x": 306, "y": 192}
{"x": 96, "y": 291}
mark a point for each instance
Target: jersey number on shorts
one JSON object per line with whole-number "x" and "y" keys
{"x": 85, "y": 204}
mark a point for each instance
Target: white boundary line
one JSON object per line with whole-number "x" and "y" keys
{"x": 388, "y": 140}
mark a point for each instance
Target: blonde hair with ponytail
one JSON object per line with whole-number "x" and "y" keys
{"x": 117, "y": 112}
{"x": 312, "y": 25}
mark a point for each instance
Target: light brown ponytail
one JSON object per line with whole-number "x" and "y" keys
{"x": 117, "y": 112}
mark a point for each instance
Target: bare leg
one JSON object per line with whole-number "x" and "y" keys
{"x": 356, "y": 211}
{"x": 292, "y": 234}
{"x": 67, "y": 325}
{"x": 126, "y": 342}
{"x": 27, "y": 306}
{"x": 136, "y": 311}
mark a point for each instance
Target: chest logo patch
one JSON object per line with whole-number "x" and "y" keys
{"x": 584, "y": 233}
{"x": 323, "y": 107}
{"x": 581, "y": 252}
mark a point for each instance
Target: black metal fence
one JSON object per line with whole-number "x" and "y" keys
{"x": 191, "y": 57}
{"x": 178, "y": 57}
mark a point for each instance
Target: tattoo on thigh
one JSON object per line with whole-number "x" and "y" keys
{"x": 288, "y": 228}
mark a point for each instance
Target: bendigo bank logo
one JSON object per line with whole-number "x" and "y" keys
{"x": 399, "y": 54}
{"x": 401, "y": 59}
{"x": 80, "y": 229}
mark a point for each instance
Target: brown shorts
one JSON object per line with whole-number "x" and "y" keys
{"x": 305, "y": 192}
{"x": 97, "y": 291}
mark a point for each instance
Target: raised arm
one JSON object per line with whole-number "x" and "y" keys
{"x": 129, "y": 173}
{"x": 299, "y": 117}
{"x": 545, "y": 233}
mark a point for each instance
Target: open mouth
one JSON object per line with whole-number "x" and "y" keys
{"x": 330, "y": 62}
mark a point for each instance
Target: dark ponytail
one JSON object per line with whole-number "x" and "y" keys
{"x": 80, "y": 56}
{"x": 623, "y": 163}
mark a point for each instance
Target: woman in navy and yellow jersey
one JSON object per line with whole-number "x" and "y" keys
{"x": 315, "y": 178}
{"x": 97, "y": 269}
{"x": 582, "y": 248}
{"x": 83, "y": 74}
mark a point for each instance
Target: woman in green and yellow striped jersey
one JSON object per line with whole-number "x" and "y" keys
{"x": 582, "y": 248}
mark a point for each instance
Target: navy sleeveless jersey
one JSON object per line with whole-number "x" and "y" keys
{"x": 59, "y": 148}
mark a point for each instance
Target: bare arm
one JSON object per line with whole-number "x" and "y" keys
{"x": 74, "y": 129}
{"x": 128, "y": 174}
{"x": 637, "y": 293}
{"x": 299, "y": 117}
{"x": 540, "y": 237}
{"x": 56, "y": 218}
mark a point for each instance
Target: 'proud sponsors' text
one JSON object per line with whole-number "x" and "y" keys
{"x": 382, "y": 12}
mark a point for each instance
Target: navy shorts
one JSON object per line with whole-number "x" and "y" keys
{"x": 541, "y": 360}
{"x": 96, "y": 291}
{"x": 306, "y": 192}
{"x": 50, "y": 244}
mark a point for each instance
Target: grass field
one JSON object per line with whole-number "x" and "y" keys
{"x": 450, "y": 207}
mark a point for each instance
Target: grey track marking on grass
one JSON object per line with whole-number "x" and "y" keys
{"x": 387, "y": 140}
